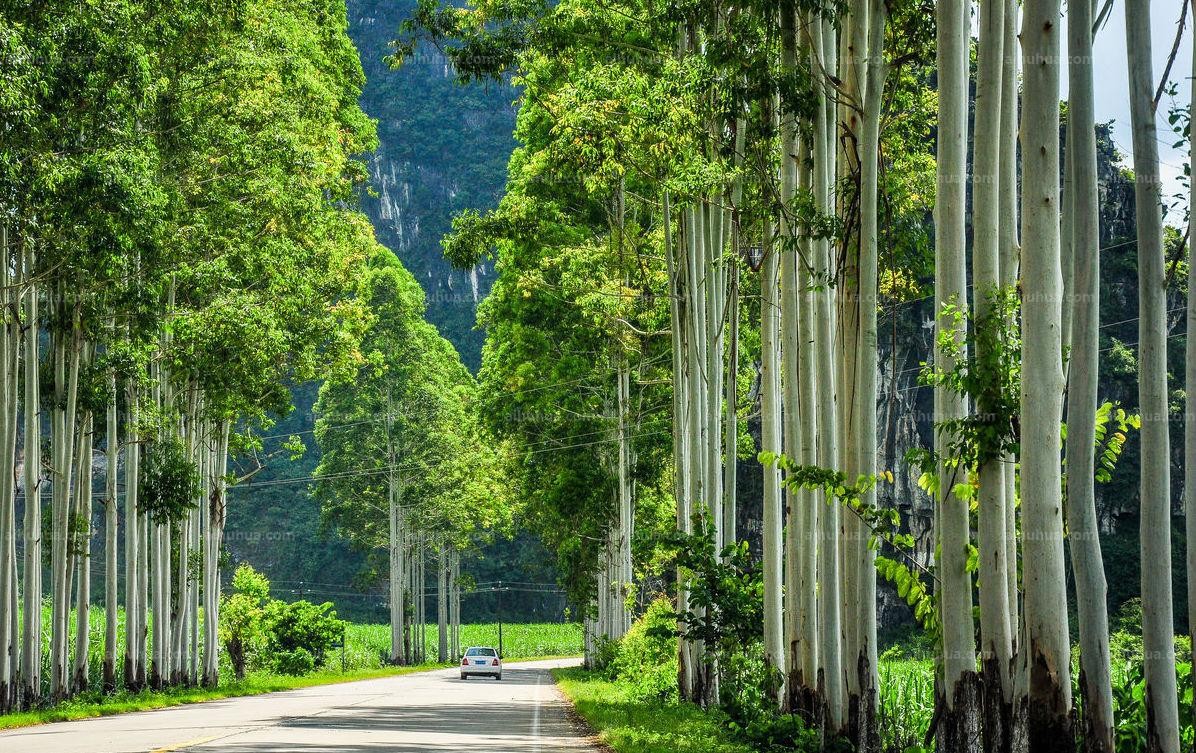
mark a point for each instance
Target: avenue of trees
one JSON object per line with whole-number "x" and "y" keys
{"x": 178, "y": 246}
{"x": 702, "y": 188}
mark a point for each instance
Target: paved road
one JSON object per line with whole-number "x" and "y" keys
{"x": 430, "y": 712}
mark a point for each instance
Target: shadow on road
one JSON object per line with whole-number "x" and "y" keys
{"x": 501, "y": 725}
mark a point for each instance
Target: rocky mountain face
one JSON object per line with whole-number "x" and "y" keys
{"x": 443, "y": 148}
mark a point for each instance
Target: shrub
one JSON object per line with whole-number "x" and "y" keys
{"x": 301, "y": 625}
{"x": 297, "y": 662}
{"x": 646, "y": 659}
{"x": 242, "y": 627}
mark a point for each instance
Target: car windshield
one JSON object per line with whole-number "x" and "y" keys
{"x": 481, "y": 652}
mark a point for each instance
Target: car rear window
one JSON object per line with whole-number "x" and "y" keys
{"x": 481, "y": 652}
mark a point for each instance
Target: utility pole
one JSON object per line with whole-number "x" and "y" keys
{"x": 498, "y": 615}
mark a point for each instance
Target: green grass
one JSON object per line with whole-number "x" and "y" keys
{"x": 630, "y": 726}
{"x": 906, "y": 702}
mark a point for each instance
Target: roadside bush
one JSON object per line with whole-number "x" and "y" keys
{"x": 646, "y": 659}
{"x": 295, "y": 663}
{"x": 301, "y": 626}
{"x": 242, "y": 627}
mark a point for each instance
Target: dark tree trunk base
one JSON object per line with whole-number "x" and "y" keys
{"x": 957, "y": 727}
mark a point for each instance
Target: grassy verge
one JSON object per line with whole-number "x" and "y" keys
{"x": 629, "y": 726}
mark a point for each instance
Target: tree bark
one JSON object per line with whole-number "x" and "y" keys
{"x": 9, "y": 402}
{"x": 31, "y": 649}
{"x": 958, "y": 694}
{"x": 83, "y": 559}
{"x": 996, "y": 630}
{"x": 1083, "y": 530}
{"x": 770, "y": 442}
{"x": 831, "y": 681}
{"x": 1190, "y": 386}
{"x": 134, "y": 628}
{"x": 111, "y": 529}
{"x": 1162, "y": 714}
{"x": 1049, "y": 649}
{"x": 866, "y": 669}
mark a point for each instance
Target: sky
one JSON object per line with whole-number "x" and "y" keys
{"x": 1112, "y": 88}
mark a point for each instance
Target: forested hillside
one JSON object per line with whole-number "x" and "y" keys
{"x": 442, "y": 148}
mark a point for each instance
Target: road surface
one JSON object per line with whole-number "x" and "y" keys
{"x": 429, "y": 712}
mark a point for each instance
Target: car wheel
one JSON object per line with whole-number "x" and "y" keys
{"x": 498, "y": 677}
{"x": 464, "y": 676}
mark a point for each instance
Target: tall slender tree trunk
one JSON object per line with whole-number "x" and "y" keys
{"x": 808, "y": 699}
{"x": 770, "y": 442}
{"x": 1049, "y": 657}
{"x": 134, "y": 553}
{"x": 111, "y": 529}
{"x": 996, "y": 630}
{"x": 797, "y": 683}
{"x": 831, "y": 681}
{"x": 398, "y": 652}
{"x": 31, "y": 649}
{"x": 66, "y": 381}
{"x": 852, "y": 72}
{"x": 213, "y": 535}
{"x": 442, "y": 605}
{"x": 1010, "y": 255}
{"x": 455, "y": 601}
{"x": 1162, "y": 714}
{"x": 10, "y": 266}
{"x": 677, "y": 322}
{"x": 867, "y": 734}
{"x": 83, "y": 559}
{"x": 958, "y": 697}
{"x": 625, "y": 511}
{"x": 1190, "y": 386}
{"x": 1096, "y": 694}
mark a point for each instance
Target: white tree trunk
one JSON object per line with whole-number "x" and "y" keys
{"x": 1050, "y": 704}
{"x": 63, "y": 420}
{"x": 831, "y": 681}
{"x": 797, "y": 682}
{"x": 677, "y": 322}
{"x": 1162, "y": 734}
{"x": 111, "y": 531}
{"x": 1010, "y": 255}
{"x": 31, "y": 648}
{"x": 1190, "y": 386}
{"x": 1083, "y": 530}
{"x": 626, "y": 512}
{"x": 996, "y": 630}
{"x": 213, "y": 535}
{"x": 770, "y": 441}
{"x": 134, "y": 552}
{"x": 442, "y": 605}
{"x": 9, "y": 402}
{"x": 808, "y": 502}
{"x": 866, "y": 669}
{"x": 958, "y": 701}
{"x": 83, "y": 558}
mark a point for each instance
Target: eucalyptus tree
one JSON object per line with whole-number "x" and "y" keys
{"x": 1190, "y": 387}
{"x": 405, "y": 410}
{"x": 958, "y": 697}
{"x": 1096, "y": 693}
{"x": 996, "y": 628}
{"x": 1047, "y": 643}
{"x": 1162, "y": 733}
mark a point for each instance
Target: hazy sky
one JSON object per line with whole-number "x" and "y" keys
{"x": 1109, "y": 53}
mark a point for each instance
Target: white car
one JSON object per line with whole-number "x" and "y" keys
{"x": 481, "y": 660}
